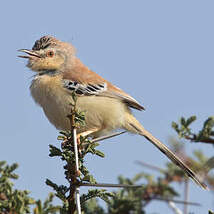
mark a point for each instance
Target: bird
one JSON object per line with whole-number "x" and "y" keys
{"x": 60, "y": 73}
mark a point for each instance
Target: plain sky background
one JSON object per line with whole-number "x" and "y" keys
{"x": 160, "y": 52}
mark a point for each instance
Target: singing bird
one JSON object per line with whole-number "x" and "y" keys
{"x": 106, "y": 107}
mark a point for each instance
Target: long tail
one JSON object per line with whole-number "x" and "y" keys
{"x": 134, "y": 126}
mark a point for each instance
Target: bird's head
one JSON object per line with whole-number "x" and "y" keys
{"x": 48, "y": 53}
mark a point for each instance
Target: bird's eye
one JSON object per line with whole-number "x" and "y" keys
{"x": 50, "y": 54}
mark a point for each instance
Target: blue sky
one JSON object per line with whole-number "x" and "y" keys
{"x": 160, "y": 52}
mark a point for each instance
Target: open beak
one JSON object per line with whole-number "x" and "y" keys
{"x": 31, "y": 53}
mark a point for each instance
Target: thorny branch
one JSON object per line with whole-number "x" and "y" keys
{"x": 205, "y": 135}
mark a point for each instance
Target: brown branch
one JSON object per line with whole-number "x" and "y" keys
{"x": 72, "y": 173}
{"x": 177, "y": 201}
{"x": 203, "y": 140}
{"x": 109, "y": 185}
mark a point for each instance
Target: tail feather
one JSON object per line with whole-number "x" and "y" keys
{"x": 135, "y": 126}
{"x": 173, "y": 158}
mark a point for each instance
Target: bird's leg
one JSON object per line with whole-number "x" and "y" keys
{"x": 86, "y": 133}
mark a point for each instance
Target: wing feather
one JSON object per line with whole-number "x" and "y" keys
{"x": 101, "y": 89}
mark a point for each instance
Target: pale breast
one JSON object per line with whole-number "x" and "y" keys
{"x": 48, "y": 92}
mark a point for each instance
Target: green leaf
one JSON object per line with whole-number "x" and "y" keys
{"x": 174, "y": 125}
{"x": 89, "y": 178}
{"x": 74, "y": 97}
{"x": 190, "y": 120}
{"x": 65, "y": 133}
{"x": 54, "y": 151}
{"x": 209, "y": 122}
{"x": 99, "y": 153}
{"x": 84, "y": 170}
{"x": 183, "y": 121}
{"x": 60, "y": 137}
{"x": 101, "y": 193}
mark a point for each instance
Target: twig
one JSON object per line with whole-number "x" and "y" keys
{"x": 150, "y": 166}
{"x": 74, "y": 189}
{"x": 204, "y": 140}
{"x": 77, "y": 170}
{"x": 186, "y": 195}
{"x": 174, "y": 208}
{"x": 110, "y": 185}
{"x": 177, "y": 201}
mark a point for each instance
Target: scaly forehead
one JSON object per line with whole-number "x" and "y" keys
{"x": 49, "y": 41}
{"x": 45, "y": 42}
